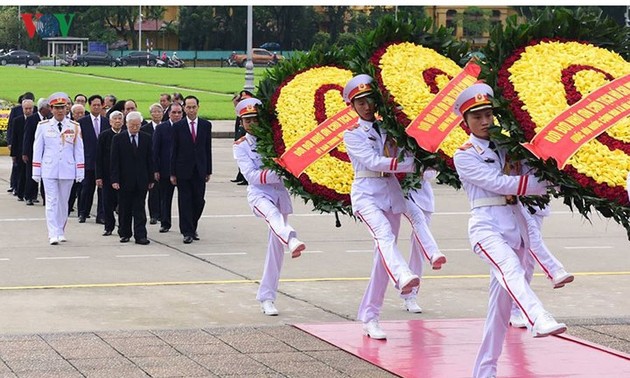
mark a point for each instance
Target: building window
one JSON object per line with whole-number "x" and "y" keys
{"x": 451, "y": 20}
{"x": 495, "y": 18}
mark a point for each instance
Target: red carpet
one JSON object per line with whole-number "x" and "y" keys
{"x": 447, "y": 349}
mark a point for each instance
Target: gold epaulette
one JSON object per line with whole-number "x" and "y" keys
{"x": 465, "y": 146}
{"x": 240, "y": 140}
{"x": 353, "y": 127}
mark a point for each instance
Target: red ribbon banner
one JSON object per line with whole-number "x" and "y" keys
{"x": 582, "y": 122}
{"x": 437, "y": 119}
{"x": 326, "y": 136}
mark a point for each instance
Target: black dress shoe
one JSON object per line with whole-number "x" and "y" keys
{"x": 20, "y": 199}
{"x": 153, "y": 221}
{"x": 36, "y": 200}
{"x": 88, "y": 216}
{"x": 164, "y": 229}
{"x": 188, "y": 239}
{"x": 242, "y": 183}
{"x": 10, "y": 190}
{"x": 100, "y": 221}
{"x": 236, "y": 180}
{"x": 124, "y": 240}
{"x": 143, "y": 241}
{"x": 81, "y": 219}
{"x": 107, "y": 233}
{"x": 29, "y": 202}
{"x": 195, "y": 236}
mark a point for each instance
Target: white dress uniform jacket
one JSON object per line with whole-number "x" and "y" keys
{"x": 268, "y": 199}
{"x": 481, "y": 171}
{"x": 263, "y": 183}
{"x": 366, "y": 149}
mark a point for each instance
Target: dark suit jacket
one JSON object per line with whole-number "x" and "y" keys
{"x": 162, "y": 144}
{"x": 186, "y": 155}
{"x": 130, "y": 167}
{"x": 29, "y": 134}
{"x": 18, "y": 136}
{"x": 90, "y": 139}
{"x": 14, "y": 113}
{"x": 148, "y": 128}
{"x": 103, "y": 155}
{"x": 167, "y": 113}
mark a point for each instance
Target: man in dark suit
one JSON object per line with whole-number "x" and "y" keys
{"x": 191, "y": 166}
{"x": 91, "y": 126}
{"x": 132, "y": 176}
{"x": 103, "y": 170}
{"x": 15, "y": 112}
{"x": 156, "y": 112}
{"x": 165, "y": 101}
{"x": 16, "y": 147}
{"x": 162, "y": 144}
{"x": 30, "y": 187}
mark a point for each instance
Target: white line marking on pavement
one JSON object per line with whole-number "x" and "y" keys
{"x": 312, "y": 251}
{"x": 591, "y": 247}
{"x": 62, "y": 258}
{"x": 359, "y": 251}
{"x": 221, "y": 254}
{"x": 4, "y": 259}
{"x": 153, "y": 255}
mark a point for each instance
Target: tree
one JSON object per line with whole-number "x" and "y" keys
{"x": 12, "y": 32}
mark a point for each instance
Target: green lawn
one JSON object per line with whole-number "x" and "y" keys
{"x": 213, "y": 86}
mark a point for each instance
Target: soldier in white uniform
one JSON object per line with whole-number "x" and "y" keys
{"x": 377, "y": 200}
{"x": 497, "y": 228}
{"x": 269, "y": 199}
{"x": 58, "y": 161}
{"x": 420, "y": 207}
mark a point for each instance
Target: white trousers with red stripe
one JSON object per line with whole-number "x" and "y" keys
{"x": 57, "y": 194}
{"x": 388, "y": 263}
{"x": 538, "y": 253}
{"x": 423, "y": 244}
{"x": 508, "y": 282}
{"x": 279, "y": 234}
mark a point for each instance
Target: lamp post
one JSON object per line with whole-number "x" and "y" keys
{"x": 249, "y": 66}
{"x": 140, "y": 28}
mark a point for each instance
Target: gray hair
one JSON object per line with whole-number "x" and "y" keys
{"x": 77, "y": 106}
{"x": 26, "y": 101}
{"x": 156, "y": 105}
{"x": 134, "y": 115}
{"x": 42, "y": 103}
{"x": 115, "y": 113}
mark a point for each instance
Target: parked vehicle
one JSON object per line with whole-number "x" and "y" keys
{"x": 94, "y": 58}
{"x": 136, "y": 58}
{"x": 259, "y": 56}
{"x": 19, "y": 57}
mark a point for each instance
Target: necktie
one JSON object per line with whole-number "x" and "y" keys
{"x": 493, "y": 147}
{"x": 376, "y": 127}
{"x": 133, "y": 141}
{"x": 97, "y": 127}
{"x": 193, "y": 131}
{"x": 59, "y": 126}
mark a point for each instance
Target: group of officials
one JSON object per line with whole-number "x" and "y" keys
{"x": 70, "y": 152}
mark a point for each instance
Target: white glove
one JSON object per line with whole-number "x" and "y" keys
{"x": 37, "y": 179}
